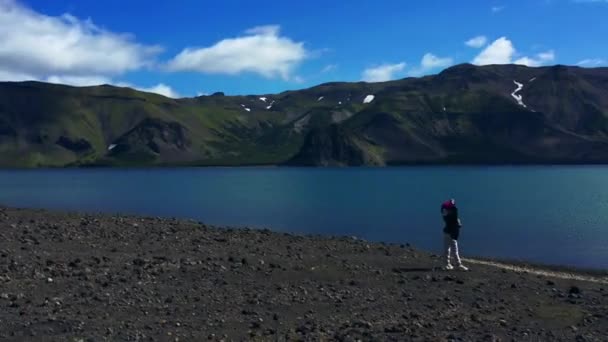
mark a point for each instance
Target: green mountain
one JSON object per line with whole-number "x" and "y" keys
{"x": 465, "y": 114}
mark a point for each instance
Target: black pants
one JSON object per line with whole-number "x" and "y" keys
{"x": 453, "y": 232}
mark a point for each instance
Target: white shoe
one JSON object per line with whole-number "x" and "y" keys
{"x": 463, "y": 268}
{"x": 448, "y": 267}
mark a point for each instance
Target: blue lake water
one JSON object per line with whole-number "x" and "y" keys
{"x": 553, "y": 214}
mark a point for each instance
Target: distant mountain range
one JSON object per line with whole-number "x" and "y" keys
{"x": 465, "y": 114}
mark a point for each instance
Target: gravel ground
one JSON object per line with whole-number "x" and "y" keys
{"x": 76, "y": 277}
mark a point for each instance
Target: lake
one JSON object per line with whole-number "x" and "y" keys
{"x": 545, "y": 214}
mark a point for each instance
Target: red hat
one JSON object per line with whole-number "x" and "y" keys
{"x": 449, "y": 204}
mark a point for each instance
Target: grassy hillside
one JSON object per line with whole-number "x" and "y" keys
{"x": 465, "y": 114}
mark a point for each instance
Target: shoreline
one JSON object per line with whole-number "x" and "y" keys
{"x": 553, "y": 271}
{"x": 305, "y": 166}
{"x": 557, "y": 269}
{"x": 67, "y": 276}
{"x": 500, "y": 262}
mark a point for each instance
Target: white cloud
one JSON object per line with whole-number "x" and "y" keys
{"x": 496, "y": 9}
{"x": 6, "y": 75}
{"x": 502, "y": 51}
{"x": 261, "y": 50}
{"x": 382, "y": 73}
{"x": 429, "y": 62}
{"x": 40, "y": 46}
{"x": 68, "y": 50}
{"x": 476, "y": 42}
{"x": 265, "y": 30}
{"x": 527, "y": 61}
{"x": 592, "y": 62}
{"x": 161, "y": 89}
{"x": 540, "y": 59}
{"x": 547, "y": 56}
{"x": 79, "y": 81}
{"x": 329, "y": 68}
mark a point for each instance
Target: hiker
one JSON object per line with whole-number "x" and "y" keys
{"x": 451, "y": 232}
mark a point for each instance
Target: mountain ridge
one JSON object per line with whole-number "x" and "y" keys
{"x": 466, "y": 114}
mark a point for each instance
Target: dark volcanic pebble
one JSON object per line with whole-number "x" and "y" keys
{"x": 575, "y": 290}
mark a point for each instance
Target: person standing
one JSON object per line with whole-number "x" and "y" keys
{"x": 451, "y": 231}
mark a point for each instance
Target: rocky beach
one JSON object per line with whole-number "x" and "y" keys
{"x": 83, "y": 277}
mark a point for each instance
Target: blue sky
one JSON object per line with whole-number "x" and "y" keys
{"x": 187, "y": 47}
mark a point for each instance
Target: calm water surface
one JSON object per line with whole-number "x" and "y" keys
{"x": 556, "y": 215}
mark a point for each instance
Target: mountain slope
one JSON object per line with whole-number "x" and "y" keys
{"x": 465, "y": 114}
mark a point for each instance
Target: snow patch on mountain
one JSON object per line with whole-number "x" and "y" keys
{"x": 519, "y": 98}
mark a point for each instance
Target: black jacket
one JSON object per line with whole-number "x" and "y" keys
{"x": 450, "y": 217}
